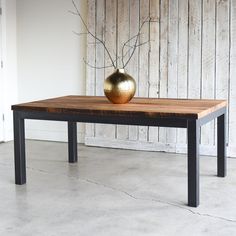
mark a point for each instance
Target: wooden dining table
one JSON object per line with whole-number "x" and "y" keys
{"x": 181, "y": 113}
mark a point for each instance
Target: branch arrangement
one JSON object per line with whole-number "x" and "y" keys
{"x": 129, "y": 47}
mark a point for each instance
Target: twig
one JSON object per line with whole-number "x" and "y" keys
{"x": 73, "y": 13}
{"x": 131, "y": 47}
{"x": 126, "y": 44}
{"x": 79, "y": 34}
{"x": 99, "y": 67}
{"x": 96, "y": 67}
{"x": 136, "y": 41}
{"x": 137, "y": 38}
{"x": 89, "y": 32}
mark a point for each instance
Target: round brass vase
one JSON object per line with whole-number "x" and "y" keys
{"x": 119, "y": 87}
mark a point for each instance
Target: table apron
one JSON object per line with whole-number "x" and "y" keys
{"x": 118, "y": 120}
{"x": 174, "y": 122}
{"x": 211, "y": 116}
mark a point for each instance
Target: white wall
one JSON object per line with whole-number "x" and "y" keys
{"x": 10, "y": 63}
{"x": 50, "y": 59}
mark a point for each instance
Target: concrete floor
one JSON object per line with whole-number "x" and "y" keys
{"x": 112, "y": 192}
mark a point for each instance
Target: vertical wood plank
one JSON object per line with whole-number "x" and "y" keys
{"x": 199, "y": 60}
{"x": 195, "y": 49}
{"x": 222, "y": 51}
{"x": 172, "y": 61}
{"x": 163, "y": 82}
{"x": 123, "y": 36}
{"x": 232, "y": 91}
{"x": 90, "y": 79}
{"x": 144, "y": 61}
{"x": 208, "y": 64}
{"x": 132, "y": 68}
{"x": 194, "y": 63}
{"x": 154, "y": 60}
{"x": 182, "y": 60}
{"x": 100, "y": 21}
{"x": 109, "y": 131}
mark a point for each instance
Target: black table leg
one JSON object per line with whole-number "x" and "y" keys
{"x": 193, "y": 163}
{"x": 72, "y": 142}
{"x": 221, "y": 146}
{"x": 19, "y": 149}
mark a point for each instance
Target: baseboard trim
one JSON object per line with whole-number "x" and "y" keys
{"x": 61, "y": 136}
{"x": 151, "y": 146}
{"x": 57, "y": 136}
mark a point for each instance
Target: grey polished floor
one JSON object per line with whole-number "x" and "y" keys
{"x": 112, "y": 192}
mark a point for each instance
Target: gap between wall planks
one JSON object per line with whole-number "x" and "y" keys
{"x": 123, "y": 28}
{"x": 192, "y": 54}
{"x": 90, "y": 73}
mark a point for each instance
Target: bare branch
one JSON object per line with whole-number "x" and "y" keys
{"x": 94, "y": 43}
{"x": 99, "y": 67}
{"x": 123, "y": 47}
{"x": 96, "y": 67}
{"x": 73, "y": 13}
{"x": 141, "y": 44}
{"x": 89, "y": 32}
{"x": 131, "y": 47}
{"x": 80, "y": 34}
{"x": 147, "y": 20}
{"x": 126, "y": 45}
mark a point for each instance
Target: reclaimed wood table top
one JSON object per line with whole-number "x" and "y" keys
{"x": 145, "y": 107}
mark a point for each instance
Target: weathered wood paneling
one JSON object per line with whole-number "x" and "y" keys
{"x": 123, "y": 36}
{"x": 164, "y": 14}
{"x": 144, "y": 61}
{"x": 100, "y": 56}
{"x": 222, "y": 50}
{"x": 208, "y": 63}
{"x": 172, "y": 60}
{"x": 191, "y": 54}
{"x": 154, "y": 61}
{"x": 91, "y": 85}
{"x": 109, "y": 131}
{"x": 195, "y": 50}
{"x": 134, "y": 63}
{"x": 232, "y": 86}
{"x": 182, "y": 87}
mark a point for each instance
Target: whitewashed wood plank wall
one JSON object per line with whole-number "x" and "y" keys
{"x": 191, "y": 54}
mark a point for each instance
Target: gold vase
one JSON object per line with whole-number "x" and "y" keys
{"x": 119, "y": 87}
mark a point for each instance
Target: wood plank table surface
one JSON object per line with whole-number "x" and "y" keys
{"x": 180, "y": 113}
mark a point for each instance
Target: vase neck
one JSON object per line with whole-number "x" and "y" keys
{"x": 118, "y": 70}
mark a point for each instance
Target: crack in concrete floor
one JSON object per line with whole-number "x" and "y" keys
{"x": 159, "y": 201}
{"x": 129, "y": 194}
{"x": 133, "y": 196}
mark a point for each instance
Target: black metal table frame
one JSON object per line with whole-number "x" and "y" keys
{"x": 193, "y": 136}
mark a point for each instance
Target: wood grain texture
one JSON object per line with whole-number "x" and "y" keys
{"x": 145, "y": 107}
{"x": 134, "y": 62}
{"x": 100, "y": 57}
{"x": 208, "y": 63}
{"x": 154, "y": 60}
{"x": 222, "y": 51}
{"x": 163, "y": 83}
{"x": 144, "y": 62}
{"x": 123, "y": 36}
{"x": 182, "y": 88}
{"x": 232, "y": 91}
{"x": 90, "y": 79}
{"x": 109, "y": 131}
{"x": 188, "y": 57}
{"x": 173, "y": 51}
{"x": 195, "y": 50}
